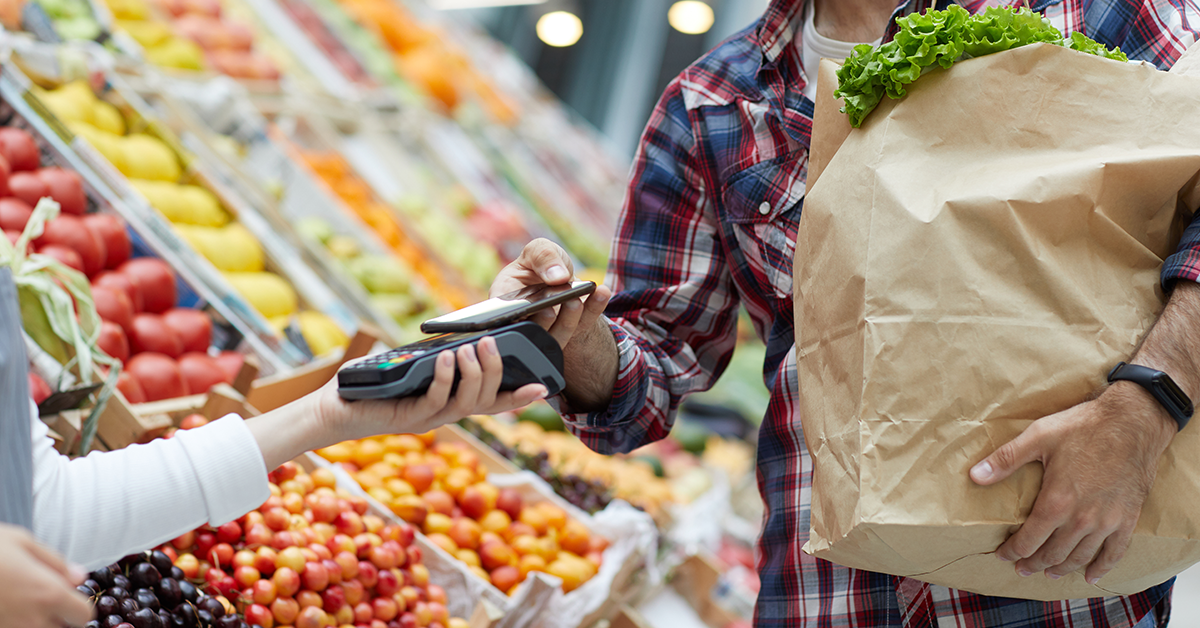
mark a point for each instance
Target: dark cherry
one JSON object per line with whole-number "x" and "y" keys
{"x": 169, "y": 593}
{"x": 119, "y": 580}
{"x": 129, "y": 606}
{"x": 131, "y": 560}
{"x": 177, "y": 573}
{"x": 118, "y": 593}
{"x": 161, "y": 561}
{"x": 107, "y": 605}
{"x": 214, "y": 607}
{"x": 228, "y": 621}
{"x": 86, "y": 590}
{"x": 95, "y": 623}
{"x": 102, "y": 576}
{"x": 205, "y": 617}
{"x": 144, "y": 576}
{"x": 189, "y": 591}
{"x": 187, "y": 614}
{"x": 165, "y": 617}
{"x": 93, "y": 585}
{"x": 146, "y": 599}
{"x": 112, "y": 621}
{"x": 144, "y": 618}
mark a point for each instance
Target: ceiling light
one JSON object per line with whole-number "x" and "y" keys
{"x": 559, "y": 29}
{"x": 450, "y": 5}
{"x": 690, "y": 16}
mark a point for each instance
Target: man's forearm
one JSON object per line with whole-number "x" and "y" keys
{"x": 1172, "y": 345}
{"x": 590, "y": 368}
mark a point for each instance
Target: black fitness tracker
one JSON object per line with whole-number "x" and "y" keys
{"x": 1160, "y": 386}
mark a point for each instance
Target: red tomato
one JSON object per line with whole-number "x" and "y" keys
{"x": 63, "y": 254}
{"x": 111, "y": 231}
{"x": 38, "y": 388}
{"x": 231, "y": 362}
{"x": 158, "y": 375}
{"x": 113, "y": 341}
{"x": 130, "y": 388}
{"x": 65, "y": 187}
{"x": 114, "y": 306}
{"x": 150, "y": 333}
{"x": 114, "y": 279}
{"x": 18, "y": 148}
{"x": 193, "y": 327}
{"x": 28, "y": 187}
{"x": 5, "y": 171}
{"x": 70, "y": 232}
{"x": 155, "y": 279}
{"x": 14, "y": 213}
{"x": 201, "y": 372}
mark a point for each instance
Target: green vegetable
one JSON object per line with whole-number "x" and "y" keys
{"x": 942, "y": 38}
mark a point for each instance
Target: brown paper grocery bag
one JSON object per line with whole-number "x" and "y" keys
{"x": 976, "y": 256}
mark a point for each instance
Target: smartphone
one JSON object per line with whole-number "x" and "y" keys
{"x": 507, "y": 308}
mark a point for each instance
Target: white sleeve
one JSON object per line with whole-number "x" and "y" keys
{"x": 95, "y": 510}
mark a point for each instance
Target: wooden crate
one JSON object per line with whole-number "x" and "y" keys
{"x": 268, "y": 393}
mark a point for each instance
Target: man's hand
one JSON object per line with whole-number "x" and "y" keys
{"x": 1100, "y": 458}
{"x": 589, "y": 351}
{"x": 37, "y": 589}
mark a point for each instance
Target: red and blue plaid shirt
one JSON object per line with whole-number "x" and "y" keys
{"x": 709, "y": 224}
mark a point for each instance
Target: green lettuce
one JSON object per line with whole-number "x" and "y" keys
{"x": 942, "y": 38}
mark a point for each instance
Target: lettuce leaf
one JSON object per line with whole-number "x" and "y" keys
{"x": 942, "y": 38}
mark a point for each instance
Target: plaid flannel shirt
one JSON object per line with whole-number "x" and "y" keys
{"x": 709, "y": 223}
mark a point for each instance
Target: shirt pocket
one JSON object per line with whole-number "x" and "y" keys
{"x": 762, "y": 208}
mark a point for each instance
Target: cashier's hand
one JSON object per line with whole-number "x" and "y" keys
{"x": 37, "y": 588}
{"x": 478, "y": 392}
{"x": 1100, "y": 459}
{"x": 544, "y": 262}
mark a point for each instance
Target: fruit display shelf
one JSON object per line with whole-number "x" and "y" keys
{"x": 476, "y": 542}
{"x": 263, "y": 173}
{"x": 176, "y": 195}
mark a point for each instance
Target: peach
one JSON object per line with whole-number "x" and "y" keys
{"x": 367, "y": 453}
{"x": 410, "y": 508}
{"x": 420, "y": 575}
{"x": 495, "y": 555}
{"x": 458, "y": 480}
{"x": 420, "y": 476}
{"x": 443, "y": 541}
{"x": 372, "y": 523}
{"x": 509, "y": 500}
{"x": 467, "y": 556}
{"x": 573, "y": 570}
{"x": 399, "y": 487}
{"x": 555, "y": 517}
{"x": 534, "y": 518}
{"x": 323, "y": 477}
{"x": 525, "y": 545}
{"x": 575, "y": 538}
{"x": 505, "y": 577}
{"x": 475, "y": 502}
{"x": 437, "y": 522}
{"x": 531, "y": 562}
{"x": 495, "y": 521}
{"x": 439, "y": 501}
{"x": 465, "y": 533}
{"x": 518, "y": 529}
{"x": 341, "y": 452}
{"x": 479, "y": 571}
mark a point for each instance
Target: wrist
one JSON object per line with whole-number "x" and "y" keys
{"x": 1130, "y": 402}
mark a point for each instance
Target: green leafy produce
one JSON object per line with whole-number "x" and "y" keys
{"x": 941, "y": 38}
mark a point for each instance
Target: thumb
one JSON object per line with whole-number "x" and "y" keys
{"x": 1011, "y": 456}
{"x": 548, "y": 260}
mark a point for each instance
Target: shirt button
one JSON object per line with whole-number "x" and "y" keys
{"x": 764, "y": 208}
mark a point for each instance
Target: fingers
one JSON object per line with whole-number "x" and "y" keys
{"x": 1083, "y": 554}
{"x": 567, "y": 321}
{"x": 1112, "y": 552}
{"x": 55, "y": 595}
{"x": 1030, "y": 537}
{"x": 73, "y": 575}
{"x": 438, "y": 393}
{"x": 547, "y": 260}
{"x": 518, "y": 398}
{"x": 1011, "y": 456}
{"x": 493, "y": 372}
{"x": 73, "y": 608}
{"x": 470, "y": 380}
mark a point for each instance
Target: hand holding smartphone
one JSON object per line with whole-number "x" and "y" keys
{"x": 507, "y": 308}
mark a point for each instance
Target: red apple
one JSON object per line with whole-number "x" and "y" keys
{"x": 63, "y": 254}
{"x": 38, "y": 388}
{"x": 71, "y": 232}
{"x": 113, "y": 342}
{"x": 193, "y": 327}
{"x": 201, "y": 372}
{"x": 114, "y": 306}
{"x": 117, "y": 281}
{"x": 18, "y": 149}
{"x": 14, "y": 213}
{"x": 65, "y": 187}
{"x": 149, "y": 333}
{"x": 117, "y": 246}
{"x": 27, "y": 187}
{"x": 156, "y": 281}
{"x": 130, "y": 388}
{"x": 158, "y": 376}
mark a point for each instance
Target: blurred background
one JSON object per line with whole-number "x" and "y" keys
{"x": 609, "y": 60}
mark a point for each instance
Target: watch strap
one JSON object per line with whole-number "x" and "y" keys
{"x": 1160, "y": 386}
